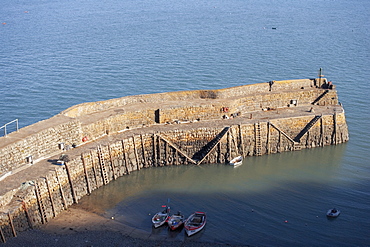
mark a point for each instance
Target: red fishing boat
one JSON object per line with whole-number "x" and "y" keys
{"x": 161, "y": 218}
{"x": 195, "y": 223}
{"x": 176, "y": 221}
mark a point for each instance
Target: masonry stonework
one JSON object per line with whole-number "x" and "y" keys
{"x": 117, "y": 137}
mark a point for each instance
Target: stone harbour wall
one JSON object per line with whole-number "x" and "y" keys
{"x": 203, "y": 110}
{"x": 252, "y": 89}
{"x": 37, "y": 201}
{"x": 42, "y": 199}
{"x": 37, "y": 143}
{"x": 94, "y": 120}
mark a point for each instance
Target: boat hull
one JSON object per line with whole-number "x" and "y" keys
{"x": 160, "y": 218}
{"x": 175, "y": 221}
{"x": 332, "y": 214}
{"x": 195, "y": 223}
{"x": 192, "y": 232}
{"x": 236, "y": 161}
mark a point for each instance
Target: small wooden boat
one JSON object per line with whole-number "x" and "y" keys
{"x": 195, "y": 223}
{"x": 237, "y": 161}
{"x": 333, "y": 213}
{"x": 176, "y": 221}
{"x": 161, "y": 218}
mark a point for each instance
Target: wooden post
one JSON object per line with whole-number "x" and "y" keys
{"x": 158, "y": 144}
{"x": 122, "y": 167}
{"x": 165, "y": 159}
{"x": 70, "y": 182}
{"x": 51, "y": 197}
{"x": 228, "y": 146}
{"x": 143, "y": 149}
{"x": 233, "y": 142}
{"x": 322, "y": 131}
{"x": 27, "y": 215}
{"x": 268, "y": 138}
{"x": 61, "y": 190}
{"x": 94, "y": 169}
{"x": 124, "y": 157}
{"x": 86, "y": 174}
{"x": 154, "y": 150}
{"x": 111, "y": 162}
{"x": 12, "y": 225}
{"x": 335, "y": 128}
{"x": 308, "y": 140}
{"x": 2, "y": 235}
{"x": 136, "y": 156}
{"x": 219, "y": 152}
{"x": 241, "y": 140}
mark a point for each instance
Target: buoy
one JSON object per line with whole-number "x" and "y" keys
{"x": 286, "y": 221}
{"x": 4, "y": 23}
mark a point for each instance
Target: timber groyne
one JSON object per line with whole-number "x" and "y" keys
{"x": 101, "y": 141}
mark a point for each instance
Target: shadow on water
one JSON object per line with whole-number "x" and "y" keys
{"x": 173, "y": 234}
{"x": 272, "y": 199}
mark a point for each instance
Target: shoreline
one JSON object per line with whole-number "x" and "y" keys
{"x": 79, "y": 227}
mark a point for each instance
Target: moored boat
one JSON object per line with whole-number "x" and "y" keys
{"x": 195, "y": 223}
{"x": 333, "y": 213}
{"x": 176, "y": 221}
{"x": 237, "y": 161}
{"x": 161, "y": 218}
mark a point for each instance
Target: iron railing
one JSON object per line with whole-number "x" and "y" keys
{"x": 4, "y": 126}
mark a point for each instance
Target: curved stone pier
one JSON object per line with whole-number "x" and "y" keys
{"x": 102, "y": 141}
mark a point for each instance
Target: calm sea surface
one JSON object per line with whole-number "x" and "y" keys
{"x": 55, "y": 54}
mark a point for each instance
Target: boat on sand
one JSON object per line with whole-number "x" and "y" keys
{"x": 195, "y": 223}
{"x": 161, "y": 218}
{"x": 176, "y": 221}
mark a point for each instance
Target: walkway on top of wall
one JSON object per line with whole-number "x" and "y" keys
{"x": 44, "y": 165}
{"x": 96, "y": 115}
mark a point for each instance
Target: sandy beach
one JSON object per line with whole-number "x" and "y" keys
{"x": 77, "y": 227}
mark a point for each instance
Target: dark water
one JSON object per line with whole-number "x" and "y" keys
{"x": 55, "y": 54}
{"x": 271, "y": 200}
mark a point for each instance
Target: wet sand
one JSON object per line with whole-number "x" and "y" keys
{"x": 77, "y": 227}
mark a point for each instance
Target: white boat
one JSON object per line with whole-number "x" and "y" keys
{"x": 176, "y": 221}
{"x": 237, "y": 161}
{"x": 333, "y": 213}
{"x": 195, "y": 223}
{"x": 161, "y": 218}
